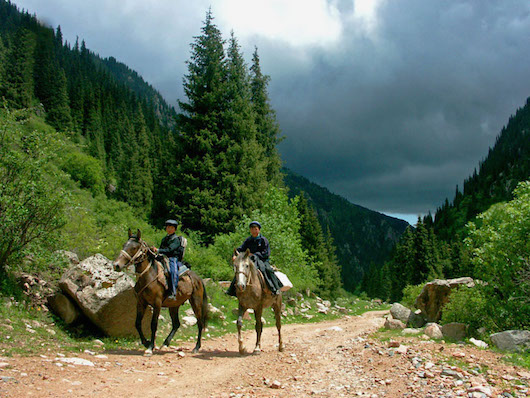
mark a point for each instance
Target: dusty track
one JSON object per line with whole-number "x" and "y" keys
{"x": 328, "y": 359}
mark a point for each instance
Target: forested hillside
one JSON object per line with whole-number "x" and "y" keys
{"x": 363, "y": 237}
{"x": 483, "y": 233}
{"x": 506, "y": 164}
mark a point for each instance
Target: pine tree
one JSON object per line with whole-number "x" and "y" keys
{"x": 222, "y": 173}
{"x": 320, "y": 250}
{"x": 267, "y": 126}
{"x": 142, "y": 169}
{"x": 199, "y": 200}
{"x": 19, "y": 82}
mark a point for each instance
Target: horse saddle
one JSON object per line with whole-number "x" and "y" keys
{"x": 163, "y": 271}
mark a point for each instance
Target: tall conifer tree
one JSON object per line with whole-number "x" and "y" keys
{"x": 19, "y": 82}
{"x": 266, "y": 124}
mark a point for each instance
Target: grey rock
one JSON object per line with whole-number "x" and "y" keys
{"x": 106, "y": 297}
{"x": 512, "y": 340}
{"x": 406, "y": 316}
{"x": 434, "y": 331}
{"x": 394, "y": 324}
{"x": 400, "y": 312}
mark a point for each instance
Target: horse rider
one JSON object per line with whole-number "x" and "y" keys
{"x": 171, "y": 248}
{"x": 260, "y": 249}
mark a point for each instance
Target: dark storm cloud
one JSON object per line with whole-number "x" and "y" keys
{"x": 394, "y": 122}
{"x": 393, "y": 115}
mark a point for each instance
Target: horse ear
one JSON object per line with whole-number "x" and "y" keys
{"x": 138, "y": 234}
{"x": 130, "y": 233}
{"x": 247, "y": 253}
{"x": 236, "y": 252}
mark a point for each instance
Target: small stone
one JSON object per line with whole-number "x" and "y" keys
{"x": 276, "y": 385}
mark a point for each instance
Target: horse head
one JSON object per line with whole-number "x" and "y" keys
{"x": 130, "y": 251}
{"x": 243, "y": 267}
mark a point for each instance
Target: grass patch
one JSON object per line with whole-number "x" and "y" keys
{"x": 518, "y": 359}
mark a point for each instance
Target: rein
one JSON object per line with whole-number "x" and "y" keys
{"x": 137, "y": 259}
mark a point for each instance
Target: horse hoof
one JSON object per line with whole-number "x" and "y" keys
{"x": 257, "y": 351}
{"x": 148, "y": 353}
{"x": 281, "y": 348}
{"x": 164, "y": 347}
{"x": 241, "y": 350}
{"x": 195, "y": 350}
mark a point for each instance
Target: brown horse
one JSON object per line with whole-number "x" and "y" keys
{"x": 252, "y": 292}
{"x": 150, "y": 290}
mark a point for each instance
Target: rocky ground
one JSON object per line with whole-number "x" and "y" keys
{"x": 339, "y": 358}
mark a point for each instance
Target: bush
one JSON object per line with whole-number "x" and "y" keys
{"x": 86, "y": 170}
{"x": 500, "y": 254}
{"x": 32, "y": 197}
{"x": 410, "y": 293}
{"x": 470, "y": 306}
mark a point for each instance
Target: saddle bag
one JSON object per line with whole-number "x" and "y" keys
{"x": 287, "y": 284}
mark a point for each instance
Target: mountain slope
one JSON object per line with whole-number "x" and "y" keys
{"x": 362, "y": 236}
{"x": 506, "y": 164}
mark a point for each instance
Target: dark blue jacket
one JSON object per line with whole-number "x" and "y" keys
{"x": 171, "y": 247}
{"x": 258, "y": 246}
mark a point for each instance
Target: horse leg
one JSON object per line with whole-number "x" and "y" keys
{"x": 259, "y": 328}
{"x": 141, "y": 305}
{"x": 277, "y": 307}
{"x": 239, "y": 325}
{"x": 175, "y": 324}
{"x": 154, "y": 326}
{"x": 196, "y": 304}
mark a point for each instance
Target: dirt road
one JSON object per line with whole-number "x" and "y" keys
{"x": 329, "y": 359}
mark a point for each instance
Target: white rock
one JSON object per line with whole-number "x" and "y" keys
{"x": 75, "y": 361}
{"x": 478, "y": 343}
{"x": 189, "y": 320}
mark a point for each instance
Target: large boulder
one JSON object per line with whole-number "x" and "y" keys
{"x": 435, "y": 295}
{"x": 512, "y": 340}
{"x": 406, "y": 316}
{"x": 105, "y": 296}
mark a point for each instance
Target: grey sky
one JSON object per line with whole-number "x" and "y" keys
{"x": 390, "y": 104}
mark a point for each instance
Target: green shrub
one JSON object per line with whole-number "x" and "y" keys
{"x": 470, "y": 306}
{"x": 32, "y": 197}
{"x": 410, "y": 292}
{"x": 500, "y": 254}
{"x": 85, "y": 169}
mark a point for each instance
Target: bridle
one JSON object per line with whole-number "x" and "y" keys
{"x": 249, "y": 275}
{"x": 139, "y": 257}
